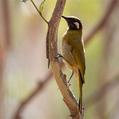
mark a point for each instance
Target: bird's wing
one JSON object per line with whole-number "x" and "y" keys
{"x": 79, "y": 56}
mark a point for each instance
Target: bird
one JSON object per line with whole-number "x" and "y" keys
{"x": 73, "y": 51}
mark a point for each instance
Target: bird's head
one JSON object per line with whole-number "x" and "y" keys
{"x": 73, "y": 22}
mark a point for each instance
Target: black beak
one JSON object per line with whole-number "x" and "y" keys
{"x": 67, "y": 20}
{"x": 64, "y": 17}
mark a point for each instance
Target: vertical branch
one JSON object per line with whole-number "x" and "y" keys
{"x": 55, "y": 64}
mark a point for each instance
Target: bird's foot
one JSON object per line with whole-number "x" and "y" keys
{"x": 58, "y": 56}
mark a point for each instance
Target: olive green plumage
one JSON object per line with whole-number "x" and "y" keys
{"x": 73, "y": 51}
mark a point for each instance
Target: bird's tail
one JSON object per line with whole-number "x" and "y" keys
{"x": 81, "y": 81}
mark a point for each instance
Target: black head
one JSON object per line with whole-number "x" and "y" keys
{"x": 73, "y": 23}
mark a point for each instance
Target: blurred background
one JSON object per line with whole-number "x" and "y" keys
{"x": 27, "y": 87}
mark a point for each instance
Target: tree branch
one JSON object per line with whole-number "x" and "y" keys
{"x": 39, "y": 11}
{"x": 68, "y": 97}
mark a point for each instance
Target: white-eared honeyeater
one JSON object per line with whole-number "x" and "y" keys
{"x": 73, "y": 50}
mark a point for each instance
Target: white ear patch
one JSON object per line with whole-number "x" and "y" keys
{"x": 76, "y": 24}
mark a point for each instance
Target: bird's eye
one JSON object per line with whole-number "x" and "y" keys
{"x": 76, "y": 24}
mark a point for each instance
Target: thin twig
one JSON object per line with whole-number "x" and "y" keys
{"x": 39, "y": 11}
{"x": 47, "y": 42}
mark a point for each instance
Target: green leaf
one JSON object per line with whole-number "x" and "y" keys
{"x": 41, "y": 6}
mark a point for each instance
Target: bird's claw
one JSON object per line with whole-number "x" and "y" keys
{"x": 58, "y": 56}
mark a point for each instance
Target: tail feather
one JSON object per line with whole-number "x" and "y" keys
{"x": 81, "y": 81}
